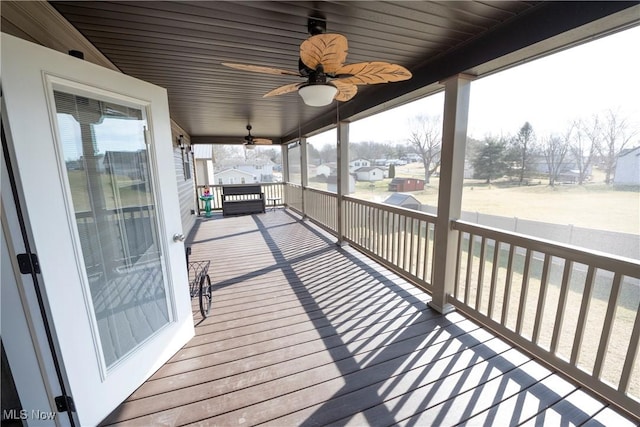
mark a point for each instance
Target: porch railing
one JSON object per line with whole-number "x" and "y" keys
{"x": 293, "y": 197}
{"x": 322, "y": 207}
{"x": 576, "y": 310}
{"x": 271, "y": 190}
{"x": 401, "y": 239}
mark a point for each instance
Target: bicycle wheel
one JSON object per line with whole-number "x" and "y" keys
{"x": 205, "y": 295}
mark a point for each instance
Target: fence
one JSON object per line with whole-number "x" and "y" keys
{"x": 621, "y": 244}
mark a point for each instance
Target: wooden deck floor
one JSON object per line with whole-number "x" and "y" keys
{"x": 305, "y": 333}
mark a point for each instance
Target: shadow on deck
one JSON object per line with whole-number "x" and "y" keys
{"x": 304, "y": 333}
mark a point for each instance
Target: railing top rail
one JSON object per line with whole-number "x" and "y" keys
{"x": 626, "y": 266}
{"x": 395, "y": 209}
{"x": 238, "y": 185}
{"x": 291, "y": 184}
{"x": 317, "y": 190}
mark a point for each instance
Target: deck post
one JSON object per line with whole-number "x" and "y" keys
{"x": 304, "y": 176}
{"x": 285, "y": 162}
{"x": 284, "y": 151}
{"x": 454, "y": 139}
{"x": 343, "y": 178}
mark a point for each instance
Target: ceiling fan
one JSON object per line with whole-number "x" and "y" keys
{"x": 322, "y": 58}
{"x": 250, "y": 141}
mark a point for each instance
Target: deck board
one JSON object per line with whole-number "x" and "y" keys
{"x": 304, "y": 332}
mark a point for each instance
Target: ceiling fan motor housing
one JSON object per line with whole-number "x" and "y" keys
{"x": 316, "y": 26}
{"x": 317, "y": 76}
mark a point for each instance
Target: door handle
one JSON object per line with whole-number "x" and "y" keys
{"x": 178, "y": 237}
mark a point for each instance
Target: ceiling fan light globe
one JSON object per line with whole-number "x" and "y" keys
{"x": 249, "y": 146}
{"x": 318, "y": 95}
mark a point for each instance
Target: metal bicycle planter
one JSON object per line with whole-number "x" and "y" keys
{"x": 200, "y": 284}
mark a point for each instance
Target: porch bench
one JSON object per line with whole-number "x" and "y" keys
{"x": 242, "y": 200}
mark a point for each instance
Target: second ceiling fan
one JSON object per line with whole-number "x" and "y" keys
{"x": 322, "y": 58}
{"x": 250, "y": 141}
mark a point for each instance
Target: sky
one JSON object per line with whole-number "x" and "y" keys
{"x": 549, "y": 93}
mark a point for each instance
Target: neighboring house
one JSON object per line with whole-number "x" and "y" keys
{"x": 568, "y": 169}
{"x": 396, "y": 162}
{"x": 539, "y": 164}
{"x": 326, "y": 169}
{"x": 354, "y": 165}
{"x": 404, "y": 201}
{"x": 262, "y": 169}
{"x": 628, "y": 167}
{"x": 369, "y": 174}
{"x": 412, "y": 158}
{"x": 235, "y": 176}
{"x": 203, "y": 155}
{"x": 332, "y": 183}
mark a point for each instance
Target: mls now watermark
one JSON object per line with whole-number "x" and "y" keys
{"x": 23, "y": 414}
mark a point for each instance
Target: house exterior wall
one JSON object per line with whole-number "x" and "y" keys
{"x": 374, "y": 174}
{"x": 323, "y": 170}
{"x": 186, "y": 186}
{"x": 628, "y": 168}
{"x": 235, "y": 176}
{"x": 354, "y": 165}
{"x": 260, "y": 169}
{"x": 266, "y": 169}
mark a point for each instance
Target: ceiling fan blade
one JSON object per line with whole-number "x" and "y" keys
{"x": 260, "y": 69}
{"x": 346, "y": 91}
{"x": 291, "y": 87}
{"x": 369, "y": 73}
{"x": 262, "y": 141}
{"x": 330, "y": 50}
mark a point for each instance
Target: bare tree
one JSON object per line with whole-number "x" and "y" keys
{"x": 426, "y": 139}
{"x": 615, "y": 137}
{"x": 584, "y": 146}
{"x": 523, "y": 145}
{"x": 222, "y": 152}
{"x": 554, "y": 150}
{"x": 369, "y": 150}
{"x": 328, "y": 153}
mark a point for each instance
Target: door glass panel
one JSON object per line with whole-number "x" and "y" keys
{"x": 108, "y": 173}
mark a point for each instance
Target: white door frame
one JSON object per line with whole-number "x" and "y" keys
{"x": 92, "y": 390}
{"x": 30, "y": 351}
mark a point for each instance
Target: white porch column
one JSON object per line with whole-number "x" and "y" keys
{"x": 454, "y": 140}
{"x": 343, "y": 177}
{"x": 284, "y": 151}
{"x": 304, "y": 179}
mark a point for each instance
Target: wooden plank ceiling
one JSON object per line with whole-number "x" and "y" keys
{"x": 181, "y": 45}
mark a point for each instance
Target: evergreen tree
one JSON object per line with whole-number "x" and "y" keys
{"x": 490, "y": 160}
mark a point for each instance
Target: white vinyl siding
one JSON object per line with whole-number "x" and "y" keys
{"x": 186, "y": 187}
